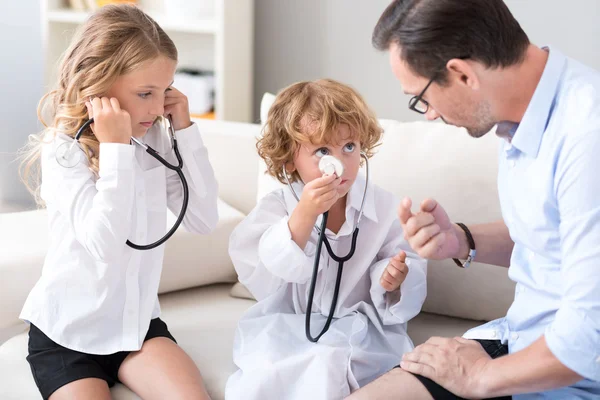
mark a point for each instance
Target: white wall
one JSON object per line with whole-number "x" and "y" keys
{"x": 309, "y": 39}
{"x": 21, "y": 86}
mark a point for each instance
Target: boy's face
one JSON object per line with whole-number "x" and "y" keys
{"x": 343, "y": 145}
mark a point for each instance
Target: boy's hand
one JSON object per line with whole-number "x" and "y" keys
{"x": 319, "y": 195}
{"x": 395, "y": 273}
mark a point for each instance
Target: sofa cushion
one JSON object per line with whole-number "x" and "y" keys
{"x": 202, "y": 320}
{"x": 193, "y": 260}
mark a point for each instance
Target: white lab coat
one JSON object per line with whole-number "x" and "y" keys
{"x": 97, "y": 295}
{"x": 367, "y": 337}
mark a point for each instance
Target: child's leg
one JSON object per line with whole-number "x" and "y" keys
{"x": 89, "y": 389}
{"x": 162, "y": 370}
{"x": 61, "y": 373}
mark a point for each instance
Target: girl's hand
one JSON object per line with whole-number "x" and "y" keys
{"x": 176, "y": 104}
{"x": 111, "y": 123}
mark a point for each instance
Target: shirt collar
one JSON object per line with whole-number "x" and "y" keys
{"x": 528, "y": 135}
{"x": 354, "y": 200}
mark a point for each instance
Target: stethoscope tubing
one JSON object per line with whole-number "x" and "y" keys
{"x": 177, "y": 168}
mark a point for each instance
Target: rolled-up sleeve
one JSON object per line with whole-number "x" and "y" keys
{"x": 574, "y": 335}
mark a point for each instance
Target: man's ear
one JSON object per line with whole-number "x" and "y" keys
{"x": 462, "y": 72}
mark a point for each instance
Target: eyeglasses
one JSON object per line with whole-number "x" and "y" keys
{"x": 417, "y": 104}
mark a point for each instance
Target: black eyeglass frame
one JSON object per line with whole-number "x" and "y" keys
{"x": 412, "y": 103}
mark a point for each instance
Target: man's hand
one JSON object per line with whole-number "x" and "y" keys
{"x": 456, "y": 364}
{"x": 429, "y": 232}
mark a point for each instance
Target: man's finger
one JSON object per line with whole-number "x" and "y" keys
{"x": 425, "y": 234}
{"x": 419, "y": 369}
{"x": 428, "y": 205}
{"x": 418, "y": 222}
{"x": 404, "y": 212}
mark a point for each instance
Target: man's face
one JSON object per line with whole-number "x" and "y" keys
{"x": 456, "y": 103}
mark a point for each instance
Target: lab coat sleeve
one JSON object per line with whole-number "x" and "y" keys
{"x": 263, "y": 252}
{"x": 399, "y": 306}
{"x": 98, "y": 209}
{"x": 201, "y": 215}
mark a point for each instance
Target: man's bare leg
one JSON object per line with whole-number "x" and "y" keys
{"x": 395, "y": 385}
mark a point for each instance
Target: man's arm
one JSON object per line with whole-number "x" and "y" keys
{"x": 492, "y": 241}
{"x": 533, "y": 369}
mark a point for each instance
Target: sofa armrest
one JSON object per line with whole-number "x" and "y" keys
{"x": 190, "y": 259}
{"x": 23, "y": 246}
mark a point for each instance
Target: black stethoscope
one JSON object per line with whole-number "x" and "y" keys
{"x": 68, "y": 159}
{"x": 330, "y": 164}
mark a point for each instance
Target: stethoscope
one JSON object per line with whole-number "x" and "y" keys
{"x": 68, "y": 159}
{"x": 329, "y": 164}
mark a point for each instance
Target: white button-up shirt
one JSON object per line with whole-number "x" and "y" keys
{"x": 96, "y": 294}
{"x": 368, "y": 333}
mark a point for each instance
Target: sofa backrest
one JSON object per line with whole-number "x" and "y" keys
{"x": 426, "y": 159}
{"x": 432, "y": 159}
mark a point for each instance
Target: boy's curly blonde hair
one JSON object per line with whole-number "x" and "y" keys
{"x": 323, "y": 105}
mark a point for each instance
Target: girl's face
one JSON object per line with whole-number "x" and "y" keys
{"x": 142, "y": 92}
{"x": 343, "y": 146}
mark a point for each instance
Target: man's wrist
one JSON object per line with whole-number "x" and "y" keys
{"x": 484, "y": 382}
{"x": 463, "y": 243}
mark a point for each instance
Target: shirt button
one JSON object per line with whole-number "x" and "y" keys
{"x": 514, "y": 336}
{"x": 493, "y": 334}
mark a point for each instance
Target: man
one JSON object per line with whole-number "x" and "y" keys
{"x": 469, "y": 63}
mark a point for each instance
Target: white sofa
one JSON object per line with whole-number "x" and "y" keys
{"x": 416, "y": 159}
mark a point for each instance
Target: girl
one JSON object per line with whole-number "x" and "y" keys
{"x": 94, "y": 312}
{"x": 383, "y": 284}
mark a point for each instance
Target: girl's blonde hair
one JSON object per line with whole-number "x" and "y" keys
{"x": 114, "y": 41}
{"x": 323, "y": 105}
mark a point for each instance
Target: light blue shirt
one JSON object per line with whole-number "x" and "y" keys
{"x": 549, "y": 185}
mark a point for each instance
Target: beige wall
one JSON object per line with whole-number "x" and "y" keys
{"x": 308, "y": 39}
